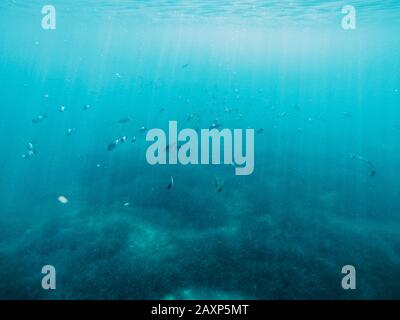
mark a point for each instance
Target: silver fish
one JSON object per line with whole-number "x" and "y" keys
{"x": 113, "y": 145}
{"x": 69, "y": 132}
{"x": 366, "y": 161}
{"x": 124, "y": 120}
{"x": 171, "y": 183}
{"x": 39, "y": 118}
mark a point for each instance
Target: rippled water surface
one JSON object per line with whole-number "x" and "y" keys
{"x": 275, "y": 11}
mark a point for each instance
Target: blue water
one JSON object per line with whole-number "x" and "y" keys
{"x": 326, "y": 186}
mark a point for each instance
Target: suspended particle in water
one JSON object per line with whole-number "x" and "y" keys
{"x": 62, "y": 199}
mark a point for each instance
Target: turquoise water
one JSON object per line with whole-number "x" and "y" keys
{"x": 324, "y": 192}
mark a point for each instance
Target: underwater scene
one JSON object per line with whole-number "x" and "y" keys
{"x": 304, "y": 202}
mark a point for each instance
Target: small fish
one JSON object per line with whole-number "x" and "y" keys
{"x": 260, "y": 130}
{"x": 215, "y": 125}
{"x": 133, "y": 139}
{"x": 86, "y": 107}
{"x": 124, "y": 120}
{"x": 368, "y": 162}
{"x": 116, "y": 142}
{"x": 218, "y": 184}
{"x": 143, "y": 129}
{"x": 126, "y": 204}
{"x": 29, "y": 154}
{"x": 172, "y": 146}
{"x": 190, "y": 117}
{"x": 171, "y": 183}
{"x": 372, "y": 173}
{"x": 31, "y": 145}
{"x": 113, "y": 145}
{"x": 161, "y": 110}
{"x": 220, "y": 187}
{"x": 360, "y": 158}
{"x": 184, "y": 66}
{"x": 39, "y": 118}
{"x": 62, "y": 109}
{"x": 69, "y": 132}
